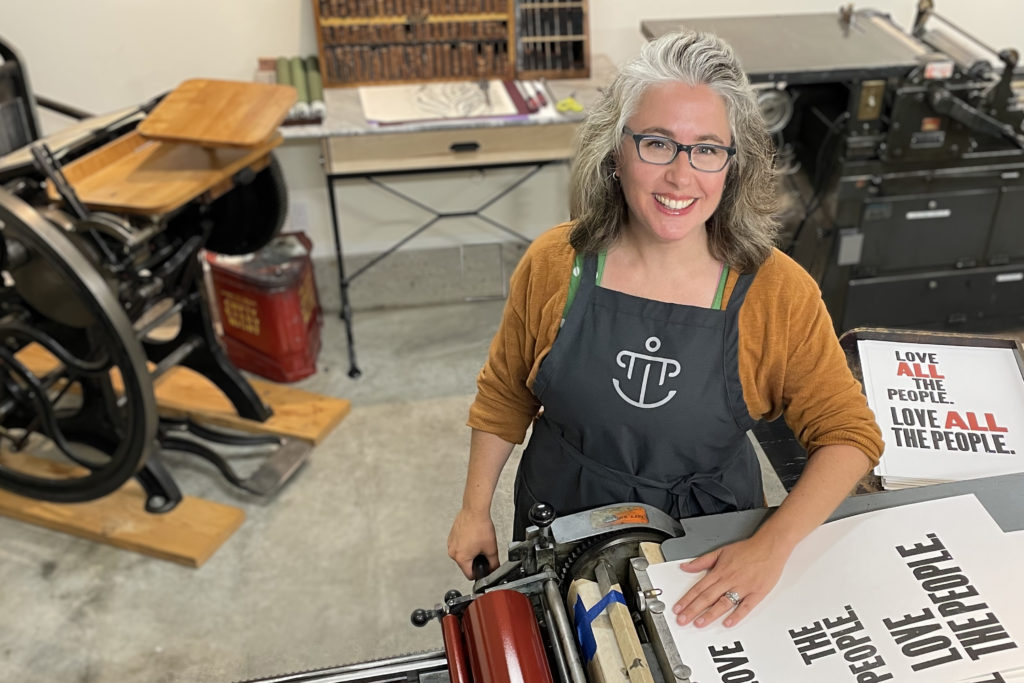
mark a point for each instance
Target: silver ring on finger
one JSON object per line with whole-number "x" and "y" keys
{"x": 733, "y": 597}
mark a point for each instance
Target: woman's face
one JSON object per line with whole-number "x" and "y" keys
{"x": 674, "y": 201}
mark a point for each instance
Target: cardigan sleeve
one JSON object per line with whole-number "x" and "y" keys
{"x": 505, "y": 404}
{"x": 790, "y": 363}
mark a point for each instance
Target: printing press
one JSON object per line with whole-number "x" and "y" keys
{"x": 902, "y": 153}
{"x": 516, "y": 625}
{"x": 102, "y": 226}
{"x": 535, "y": 618}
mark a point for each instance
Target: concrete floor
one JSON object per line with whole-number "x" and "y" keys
{"x": 327, "y": 573}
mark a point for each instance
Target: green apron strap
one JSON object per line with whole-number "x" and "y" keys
{"x": 577, "y": 271}
{"x": 720, "y": 292}
{"x": 574, "y": 280}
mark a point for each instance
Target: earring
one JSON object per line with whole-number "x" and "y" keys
{"x": 615, "y": 174}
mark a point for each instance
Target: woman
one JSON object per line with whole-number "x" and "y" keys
{"x": 645, "y": 337}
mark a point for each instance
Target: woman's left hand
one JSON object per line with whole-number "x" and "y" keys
{"x": 746, "y": 570}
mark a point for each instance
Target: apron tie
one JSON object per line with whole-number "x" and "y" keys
{"x": 706, "y": 489}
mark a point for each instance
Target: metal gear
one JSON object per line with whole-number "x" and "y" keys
{"x": 616, "y": 548}
{"x": 83, "y": 326}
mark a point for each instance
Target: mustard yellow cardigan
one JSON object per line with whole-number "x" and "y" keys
{"x": 790, "y": 362}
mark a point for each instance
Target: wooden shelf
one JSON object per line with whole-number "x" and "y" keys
{"x": 538, "y": 74}
{"x": 552, "y": 40}
{"x": 371, "y": 42}
{"x": 551, "y": 5}
{"x": 411, "y": 19}
{"x": 364, "y": 42}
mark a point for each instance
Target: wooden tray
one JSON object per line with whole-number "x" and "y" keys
{"x": 139, "y": 176}
{"x": 219, "y": 113}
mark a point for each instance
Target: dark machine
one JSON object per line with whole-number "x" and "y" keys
{"x": 89, "y": 292}
{"x": 903, "y": 155}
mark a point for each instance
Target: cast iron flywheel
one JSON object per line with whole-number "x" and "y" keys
{"x": 94, "y": 404}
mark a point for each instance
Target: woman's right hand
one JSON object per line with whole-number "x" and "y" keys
{"x": 472, "y": 534}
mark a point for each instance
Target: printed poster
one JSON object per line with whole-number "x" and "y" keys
{"x": 946, "y": 412}
{"x": 926, "y": 592}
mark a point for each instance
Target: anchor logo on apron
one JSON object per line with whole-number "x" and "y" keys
{"x": 628, "y": 359}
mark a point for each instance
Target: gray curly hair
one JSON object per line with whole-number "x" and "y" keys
{"x": 742, "y": 230}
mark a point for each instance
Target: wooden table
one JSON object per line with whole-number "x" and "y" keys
{"x": 353, "y": 147}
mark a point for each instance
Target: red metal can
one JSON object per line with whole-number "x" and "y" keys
{"x": 269, "y": 309}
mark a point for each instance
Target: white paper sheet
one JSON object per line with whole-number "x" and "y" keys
{"x": 435, "y": 101}
{"x": 847, "y": 595}
{"x": 946, "y": 412}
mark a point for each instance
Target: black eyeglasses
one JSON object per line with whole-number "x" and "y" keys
{"x": 658, "y": 149}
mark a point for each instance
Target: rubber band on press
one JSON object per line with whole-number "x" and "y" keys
{"x": 583, "y": 618}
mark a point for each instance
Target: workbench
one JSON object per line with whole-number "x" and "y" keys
{"x": 353, "y": 147}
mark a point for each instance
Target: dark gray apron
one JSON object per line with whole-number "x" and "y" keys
{"x": 642, "y": 403}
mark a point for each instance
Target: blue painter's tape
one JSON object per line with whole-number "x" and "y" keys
{"x": 583, "y": 618}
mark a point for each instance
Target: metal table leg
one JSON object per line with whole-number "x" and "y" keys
{"x": 346, "y": 308}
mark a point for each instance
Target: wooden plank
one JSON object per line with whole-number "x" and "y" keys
{"x": 40, "y": 361}
{"x": 606, "y": 664}
{"x": 622, "y": 626}
{"x": 219, "y": 113}
{"x": 301, "y": 414}
{"x": 180, "y": 392}
{"x": 189, "y": 534}
{"x": 193, "y": 531}
{"x": 140, "y": 176}
{"x": 652, "y": 552}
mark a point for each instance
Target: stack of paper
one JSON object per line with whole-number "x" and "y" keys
{"x": 947, "y": 412}
{"x": 454, "y": 102}
{"x": 926, "y": 592}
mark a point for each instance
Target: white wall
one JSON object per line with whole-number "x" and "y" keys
{"x": 104, "y": 54}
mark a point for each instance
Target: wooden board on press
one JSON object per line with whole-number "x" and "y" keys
{"x": 136, "y": 175}
{"x": 181, "y": 392}
{"x": 189, "y": 534}
{"x": 300, "y": 414}
{"x": 219, "y": 113}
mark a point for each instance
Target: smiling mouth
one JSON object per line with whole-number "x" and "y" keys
{"x": 674, "y": 204}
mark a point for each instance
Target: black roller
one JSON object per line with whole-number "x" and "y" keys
{"x": 250, "y": 215}
{"x": 615, "y": 548}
